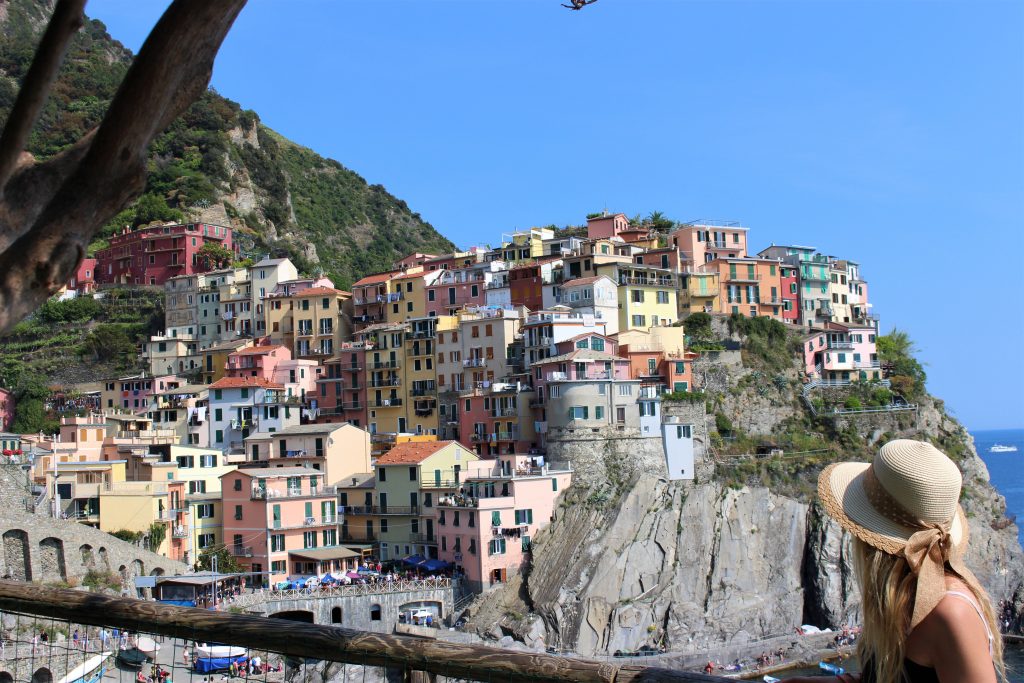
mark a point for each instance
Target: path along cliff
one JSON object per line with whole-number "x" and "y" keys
{"x": 740, "y": 554}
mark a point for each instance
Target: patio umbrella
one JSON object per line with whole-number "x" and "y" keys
{"x": 413, "y": 560}
{"x": 434, "y": 565}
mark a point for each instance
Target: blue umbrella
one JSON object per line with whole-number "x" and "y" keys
{"x": 434, "y": 565}
{"x": 414, "y": 560}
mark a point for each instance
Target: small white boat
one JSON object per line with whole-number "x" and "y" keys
{"x": 218, "y": 651}
{"x": 147, "y": 646}
{"x": 89, "y": 671}
{"x": 770, "y": 679}
{"x": 1000, "y": 448}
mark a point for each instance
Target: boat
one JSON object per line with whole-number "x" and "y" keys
{"x": 89, "y": 671}
{"x": 831, "y": 668}
{"x": 770, "y": 679}
{"x": 147, "y": 646}
{"x": 218, "y": 651}
{"x": 131, "y": 658}
{"x": 1000, "y": 448}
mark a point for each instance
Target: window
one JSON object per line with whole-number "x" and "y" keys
{"x": 219, "y": 436}
{"x": 662, "y": 297}
{"x": 471, "y": 519}
{"x": 636, "y": 296}
{"x": 683, "y": 432}
{"x": 496, "y": 546}
{"x": 441, "y": 518}
{"x": 524, "y": 516}
{"x": 217, "y": 394}
{"x": 277, "y": 543}
{"x": 238, "y": 484}
{"x": 382, "y": 474}
{"x": 472, "y": 546}
{"x": 578, "y": 413}
{"x": 599, "y": 412}
{"x": 625, "y": 390}
{"x": 495, "y": 517}
{"x": 639, "y": 321}
{"x": 597, "y": 344}
{"x": 204, "y": 511}
{"x": 308, "y": 539}
{"x": 375, "y": 613}
{"x": 206, "y": 540}
{"x": 238, "y": 512}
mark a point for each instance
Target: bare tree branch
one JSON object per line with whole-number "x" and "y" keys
{"x": 65, "y": 22}
{"x": 171, "y": 70}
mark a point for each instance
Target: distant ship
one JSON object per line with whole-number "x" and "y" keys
{"x": 1000, "y": 448}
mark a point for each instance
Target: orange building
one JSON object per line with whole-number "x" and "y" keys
{"x": 750, "y": 287}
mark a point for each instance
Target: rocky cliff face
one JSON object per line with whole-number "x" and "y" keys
{"x": 634, "y": 560}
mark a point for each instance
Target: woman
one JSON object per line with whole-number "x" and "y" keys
{"x": 926, "y": 617}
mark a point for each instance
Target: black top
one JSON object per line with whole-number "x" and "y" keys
{"x": 912, "y": 673}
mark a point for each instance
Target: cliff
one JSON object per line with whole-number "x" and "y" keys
{"x": 741, "y": 553}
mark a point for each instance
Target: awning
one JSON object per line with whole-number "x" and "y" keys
{"x": 413, "y": 560}
{"x": 321, "y": 554}
{"x": 433, "y": 565}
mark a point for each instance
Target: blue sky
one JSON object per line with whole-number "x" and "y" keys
{"x": 891, "y": 133}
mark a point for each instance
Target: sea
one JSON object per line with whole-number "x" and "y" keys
{"x": 1006, "y": 470}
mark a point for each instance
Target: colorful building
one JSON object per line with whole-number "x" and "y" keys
{"x": 494, "y": 419}
{"x": 152, "y": 255}
{"x": 704, "y": 241}
{"x": 647, "y": 295}
{"x": 273, "y": 517}
{"x": 485, "y": 529}
{"x": 334, "y": 450}
{"x": 749, "y": 287}
{"x": 842, "y": 353}
{"x": 597, "y": 296}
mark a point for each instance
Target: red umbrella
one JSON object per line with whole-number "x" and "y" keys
{"x": 8, "y": 451}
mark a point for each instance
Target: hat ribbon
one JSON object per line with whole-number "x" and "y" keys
{"x": 927, "y": 551}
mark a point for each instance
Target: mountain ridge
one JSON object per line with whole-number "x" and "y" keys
{"x": 218, "y": 163}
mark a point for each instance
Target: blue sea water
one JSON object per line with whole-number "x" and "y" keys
{"x": 1006, "y": 470}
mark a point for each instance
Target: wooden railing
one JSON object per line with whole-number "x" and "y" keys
{"x": 316, "y": 642}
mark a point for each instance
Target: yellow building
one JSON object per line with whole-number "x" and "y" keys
{"x": 647, "y": 295}
{"x": 409, "y": 479}
{"x": 143, "y": 506}
{"x": 206, "y": 512}
{"x": 524, "y": 245}
{"x": 310, "y": 322}
{"x": 407, "y": 296}
{"x": 214, "y": 359}
{"x": 701, "y": 294}
{"x": 337, "y": 450}
{"x": 75, "y": 488}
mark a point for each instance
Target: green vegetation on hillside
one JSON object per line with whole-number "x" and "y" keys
{"x": 896, "y": 353}
{"x": 79, "y": 340}
{"x": 302, "y": 199}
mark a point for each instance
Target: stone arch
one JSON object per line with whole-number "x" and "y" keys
{"x": 137, "y": 569}
{"x": 336, "y": 615}
{"x": 375, "y": 612}
{"x": 42, "y": 675}
{"x": 88, "y": 557}
{"x": 304, "y": 616}
{"x": 6, "y": 677}
{"x": 104, "y": 559}
{"x": 157, "y": 571}
{"x": 17, "y": 561}
{"x": 51, "y": 559}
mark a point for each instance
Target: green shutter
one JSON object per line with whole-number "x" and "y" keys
{"x": 496, "y": 518}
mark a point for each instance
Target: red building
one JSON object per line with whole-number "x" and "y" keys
{"x": 790, "y": 294}
{"x": 84, "y": 280}
{"x": 150, "y": 256}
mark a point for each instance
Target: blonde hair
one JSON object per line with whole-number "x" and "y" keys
{"x": 887, "y": 588}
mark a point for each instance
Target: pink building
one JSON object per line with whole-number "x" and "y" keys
{"x": 704, "y": 241}
{"x": 151, "y": 256}
{"x": 274, "y": 363}
{"x": 6, "y": 410}
{"x": 486, "y": 530}
{"x": 495, "y": 420}
{"x": 842, "y": 353}
{"x": 275, "y": 516}
{"x": 457, "y": 288}
{"x": 607, "y": 225}
{"x": 84, "y": 279}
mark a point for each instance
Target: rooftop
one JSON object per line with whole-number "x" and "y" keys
{"x": 375, "y": 279}
{"x": 274, "y": 472}
{"x": 259, "y": 350}
{"x": 319, "y": 291}
{"x": 581, "y": 355}
{"x": 412, "y": 452}
{"x": 245, "y": 383}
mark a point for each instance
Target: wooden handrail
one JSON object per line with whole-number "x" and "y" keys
{"x": 332, "y": 643}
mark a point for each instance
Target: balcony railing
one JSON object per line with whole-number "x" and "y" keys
{"x": 267, "y": 492}
{"x": 358, "y": 537}
{"x": 384, "y": 365}
{"x": 179, "y": 532}
{"x": 326, "y": 520}
{"x": 390, "y": 382}
{"x": 240, "y": 551}
{"x": 578, "y": 376}
{"x": 423, "y": 538}
{"x": 385, "y": 403}
{"x": 380, "y": 510}
{"x": 473, "y": 362}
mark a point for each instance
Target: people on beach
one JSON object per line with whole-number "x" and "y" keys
{"x": 926, "y": 617}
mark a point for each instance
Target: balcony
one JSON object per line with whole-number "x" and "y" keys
{"x": 384, "y": 365}
{"x": 424, "y": 390}
{"x": 268, "y": 492}
{"x": 388, "y": 382}
{"x": 240, "y": 551}
{"x": 384, "y": 403}
{"x": 743, "y": 277}
{"x": 307, "y": 522}
{"x": 351, "y": 405}
{"x": 473, "y": 363}
{"x": 505, "y": 436}
{"x": 381, "y": 510}
{"x": 579, "y": 376}
{"x": 423, "y": 538}
{"x": 179, "y": 532}
{"x": 840, "y": 344}
{"x": 505, "y": 412}
{"x": 360, "y": 537}
{"x": 537, "y": 402}
{"x": 647, "y": 281}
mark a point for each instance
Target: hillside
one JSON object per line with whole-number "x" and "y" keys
{"x": 742, "y": 553}
{"x": 219, "y": 163}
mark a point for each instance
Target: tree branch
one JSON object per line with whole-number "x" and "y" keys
{"x": 171, "y": 70}
{"x": 65, "y": 22}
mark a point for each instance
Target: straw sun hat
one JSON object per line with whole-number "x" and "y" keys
{"x": 913, "y": 482}
{"x": 904, "y": 503}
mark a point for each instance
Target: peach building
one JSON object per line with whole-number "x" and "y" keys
{"x": 485, "y": 530}
{"x": 750, "y": 287}
{"x": 495, "y": 419}
{"x": 273, "y": 362}
{"x": 704, "y": 241}
{"x": 606, "y": 225}
{"x": 275, "y": 516}
{"x": 334, "y": 450}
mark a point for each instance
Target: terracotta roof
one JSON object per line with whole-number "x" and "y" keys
{"x": 376, "y": 278}
{"x": 318, "y": 291}
{"x": 410, "y": 276}
{"x": 586, "y": 280}
{"x": 258, "y": 350}
{"x": 412, "y": 452}
{"x": 244, "y": 382}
